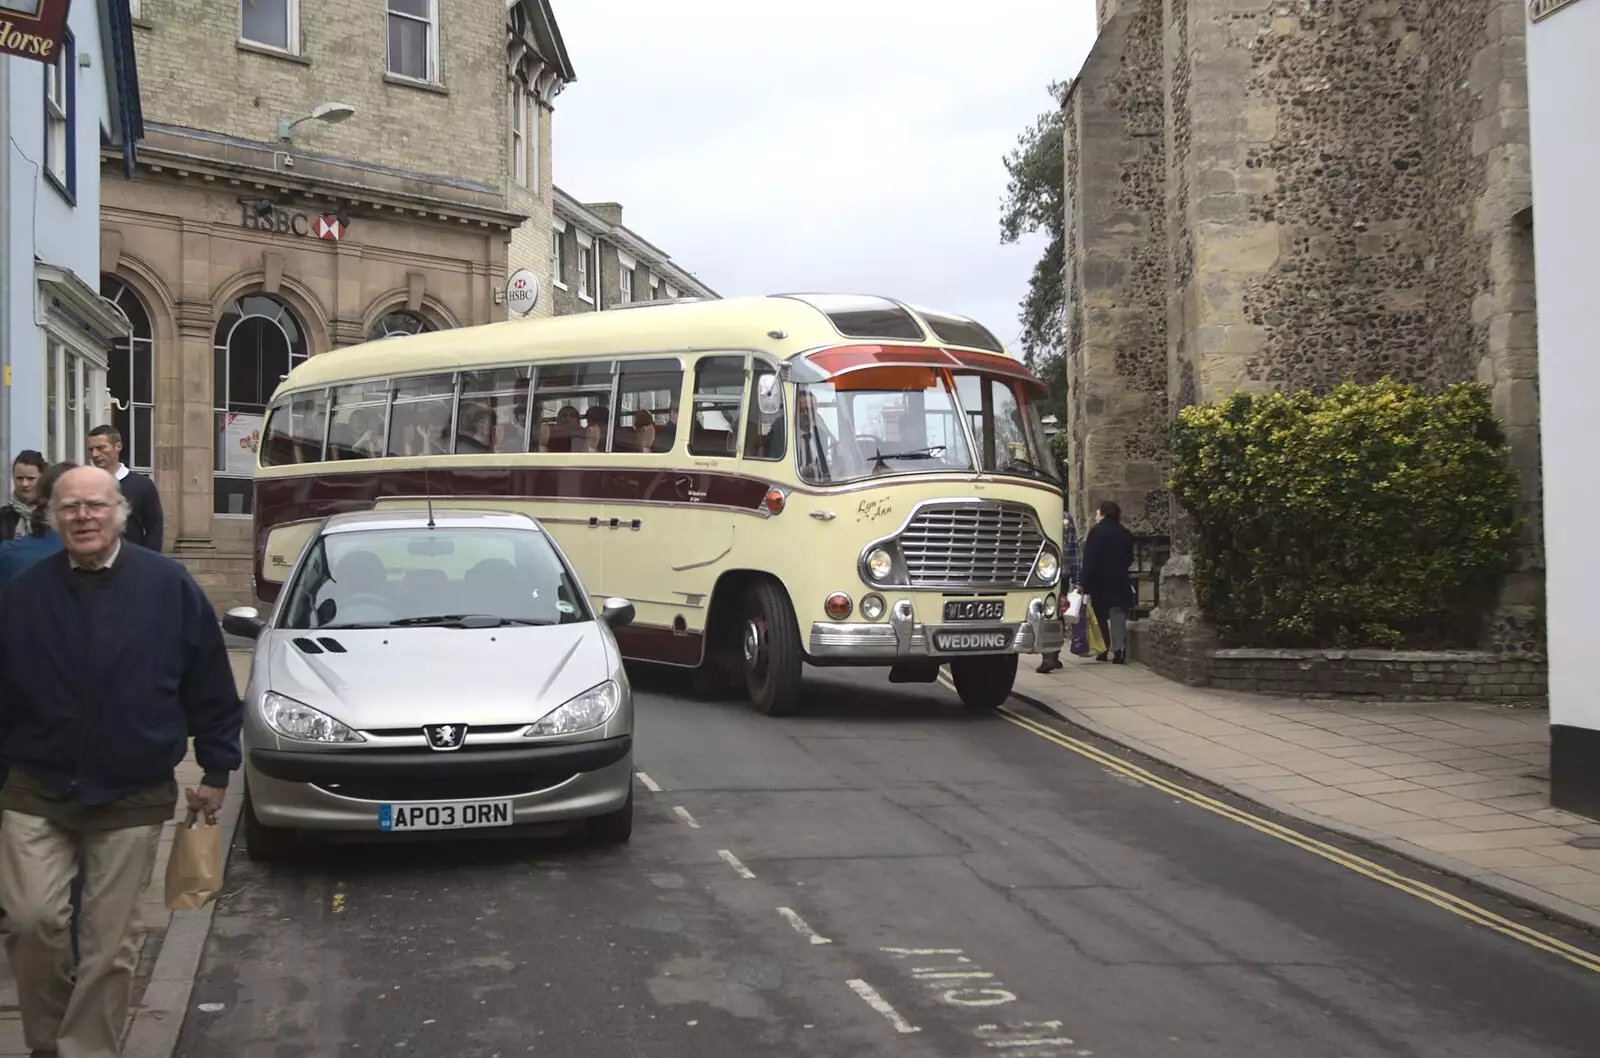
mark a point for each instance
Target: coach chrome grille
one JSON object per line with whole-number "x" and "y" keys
{"x": 970, "y": 545}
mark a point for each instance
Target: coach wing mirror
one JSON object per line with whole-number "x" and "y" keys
{"x": 617, "y": 612}
{"x": 244, "y": 622}
{"x": 769, "y": 395}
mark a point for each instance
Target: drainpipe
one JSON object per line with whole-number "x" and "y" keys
{"x": 5, "y": 261}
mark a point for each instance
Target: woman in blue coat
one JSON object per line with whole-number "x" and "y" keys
{"x": 41, "y": 541}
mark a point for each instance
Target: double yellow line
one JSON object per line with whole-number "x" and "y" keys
{"x": 1438, "y": 897}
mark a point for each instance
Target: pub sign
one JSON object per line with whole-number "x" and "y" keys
{"x": 31, "y": 29}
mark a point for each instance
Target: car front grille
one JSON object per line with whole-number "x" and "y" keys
{"x": 970, "y": 545}
{"x": 462, "y": 787}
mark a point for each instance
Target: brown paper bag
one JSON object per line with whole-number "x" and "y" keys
{"x": 194, "y": 870}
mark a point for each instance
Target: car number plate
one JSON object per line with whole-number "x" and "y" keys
{"x": 444, "y": 815}
{"x": 974, "y": 609}
{"x": 967, "y": 641}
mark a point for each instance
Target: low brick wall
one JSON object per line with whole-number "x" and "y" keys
{"x": 1392, "y": 674}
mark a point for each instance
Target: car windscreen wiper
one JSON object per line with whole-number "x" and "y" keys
{"x": 471, "y": 620}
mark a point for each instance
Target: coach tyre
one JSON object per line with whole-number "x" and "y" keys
{"x": 984, "y": 682}
{"x": 769, "y": 643}
{"x": 264, "y": 844}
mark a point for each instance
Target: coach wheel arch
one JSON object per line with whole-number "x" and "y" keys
{"x": 752, "y": 625}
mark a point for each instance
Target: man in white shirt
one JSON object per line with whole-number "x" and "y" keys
{"x": 145, "y": 519}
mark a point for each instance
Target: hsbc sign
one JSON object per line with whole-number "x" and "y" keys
{"x": 326, "y": 226}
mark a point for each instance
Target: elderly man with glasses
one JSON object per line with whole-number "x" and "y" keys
{"x": 111, "y": 660}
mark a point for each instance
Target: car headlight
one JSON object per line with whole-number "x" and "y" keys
{"x": 880, "y": 564}
{"x": 1047, "y": 566}
{"x": 299, "y": 721}
{"x": 584, "y": 713}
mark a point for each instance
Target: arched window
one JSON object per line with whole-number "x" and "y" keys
{"x": 395, "y": 324}
{"x": 131, "y": 377}
{"x": 258, "y": 341}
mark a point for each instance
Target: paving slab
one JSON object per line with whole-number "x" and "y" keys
{"x": 1460, "y": 786}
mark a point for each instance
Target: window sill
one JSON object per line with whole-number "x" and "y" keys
{"x": 61, "y": 188}
{"x": 143, "y": 23}
{"x": 411, "y": 82}
{"x": 559, "y": 284}
{"x": 270, "y": 52}
{"x": 586, "y": 297}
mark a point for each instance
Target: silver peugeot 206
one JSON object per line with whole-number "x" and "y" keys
{"x": 428, "y": 671}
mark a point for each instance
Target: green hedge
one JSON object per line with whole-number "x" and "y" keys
{"x": 1377, "y": 515}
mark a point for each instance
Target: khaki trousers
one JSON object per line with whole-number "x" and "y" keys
{"x": 38, "y": 860}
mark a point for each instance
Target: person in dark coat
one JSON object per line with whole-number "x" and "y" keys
{"x": 41, "y": 541}
{"x": 16, "y": 517}
{"x": 146, "y": 523}
{"x": 1107, "y": 558}
{"x": 111, "y": 661}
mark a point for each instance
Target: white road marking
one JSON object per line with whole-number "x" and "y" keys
{"x": 800, "y": 926}
{"x": 881, "y": 1005}
{"x": 683, "y": 814}
{"x": 901, "y": 952}
{"x": 649, "y": 783}
{"x": 733, "y": 861}
{"x": 1024, "y": 1034}
{"x": 951, "y": 975}
{"x": 979, "y": 997}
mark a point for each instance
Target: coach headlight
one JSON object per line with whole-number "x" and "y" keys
{"x": 880, "y": 564}
{"x": 1047, "y": 567}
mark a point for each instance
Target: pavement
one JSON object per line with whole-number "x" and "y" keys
{"x": 1461, "y": 787}
{"x": 887, "y": 874}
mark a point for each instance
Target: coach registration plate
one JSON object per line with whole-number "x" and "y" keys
{"x": 974, "y": 609}
{"x": 450, "y": 815}
{"x": 968, "y": 641}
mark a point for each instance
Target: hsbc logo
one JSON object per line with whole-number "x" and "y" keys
{"x": 264, "y": 216}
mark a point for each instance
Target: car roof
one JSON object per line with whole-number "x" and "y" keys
{"x": 417, "y": 518}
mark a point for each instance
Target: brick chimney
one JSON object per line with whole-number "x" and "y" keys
{"x": 610, "y": 212}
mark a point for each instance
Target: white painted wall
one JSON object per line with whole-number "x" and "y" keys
{"x": 1564, "y": 102}
{"x": 43, "y": 223}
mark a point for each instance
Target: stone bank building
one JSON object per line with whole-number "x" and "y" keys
{"x": 313, "y": 175}
{"x": 1280, "y": 194}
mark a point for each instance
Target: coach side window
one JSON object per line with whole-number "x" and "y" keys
{"x": 647, "y": 405}
{"x": 764, "y": 436}
{"x": 718, "y": 399}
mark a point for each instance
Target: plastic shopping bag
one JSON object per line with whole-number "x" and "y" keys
{"x": 1097, "y": 642}
{"x": 194, "y": 870}
{"x": 1074, "y": 611}
{"x": 1078, "y": 636}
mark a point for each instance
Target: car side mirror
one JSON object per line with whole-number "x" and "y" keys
{"x": 244, "y": 622}
{"x": 617, "y": 612}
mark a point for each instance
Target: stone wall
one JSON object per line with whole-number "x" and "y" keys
{"x": 1343, "y": 191}
{"x": 1378, "y": 674}
{"x": 194, "y": 71}
{"x": 1116, "y": 247}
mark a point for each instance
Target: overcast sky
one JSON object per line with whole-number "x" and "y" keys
{"x": 834, "y": 145}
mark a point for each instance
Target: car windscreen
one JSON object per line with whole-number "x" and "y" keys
{"x": 395, "y": 578}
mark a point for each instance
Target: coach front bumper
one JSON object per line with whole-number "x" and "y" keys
{"x": 901, "y": 636}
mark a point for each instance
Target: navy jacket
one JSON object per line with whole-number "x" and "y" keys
{"x": 145, "y": 521}
{"x": 101, "y": 688}
{"x": 17, "y": 555}
{"x": 1107, "y": 557}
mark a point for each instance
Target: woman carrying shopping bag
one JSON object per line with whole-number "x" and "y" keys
{"x": 1069, "y": 583}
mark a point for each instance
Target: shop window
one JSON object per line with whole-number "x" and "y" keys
{"x": 271, "y": 23}
{"x": 718, "y": 397}
{"x": 258, "y": 342}
{"x": 414, "y": 39}
{"x": 131, "y": 377}
{"x": 647, "y": 405}
{"x": 493, "y": 415}
{"x": 571, "y": 405}
{"x": 398, "y": 324}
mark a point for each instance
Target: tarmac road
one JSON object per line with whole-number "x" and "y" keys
{"x": 884, "y": 875}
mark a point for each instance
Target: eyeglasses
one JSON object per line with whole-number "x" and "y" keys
{"x": 95, "y": 507}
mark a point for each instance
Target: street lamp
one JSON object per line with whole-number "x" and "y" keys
{"x": 332, "y": 113}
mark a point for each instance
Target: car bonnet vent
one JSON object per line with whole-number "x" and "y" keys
{"x": 333, "y": 645}
{"x": 308, "y": 645}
